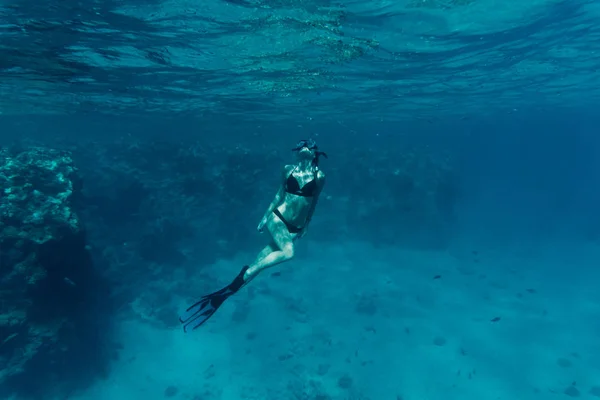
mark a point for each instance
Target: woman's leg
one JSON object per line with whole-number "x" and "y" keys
{"x": 271, "y": 247}
{"x": 281, "y": 250}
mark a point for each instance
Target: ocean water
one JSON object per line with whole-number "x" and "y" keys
{"x": 454, "y": 250}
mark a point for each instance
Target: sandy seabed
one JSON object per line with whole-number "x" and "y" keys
{"x": 356, "y": 322}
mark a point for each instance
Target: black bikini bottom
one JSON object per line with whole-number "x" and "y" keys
{"x": 291, "y": 228}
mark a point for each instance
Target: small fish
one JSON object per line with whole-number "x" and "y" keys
{"x": 10, "y": 337}
{"x": 68, "y": 281}
{"x": 437, "y": 277}
{"x": 495, "y": 319}
{"x": 532, "y": 291}
{"x": 276, "y": 274}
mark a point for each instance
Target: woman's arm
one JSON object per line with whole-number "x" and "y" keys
{"x": 277, "y": 200}
{"x": 313, "y": 205}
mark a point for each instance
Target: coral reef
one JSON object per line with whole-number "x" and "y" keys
{"x": 48, "y": 283}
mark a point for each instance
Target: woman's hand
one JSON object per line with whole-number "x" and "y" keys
{"x": 302, "y": 233}
{"x": 261, "y": 225}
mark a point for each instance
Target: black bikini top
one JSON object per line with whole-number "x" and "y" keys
{"x": 293, "y": 187}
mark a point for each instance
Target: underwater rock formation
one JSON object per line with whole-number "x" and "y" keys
{"x": 45, "y": 268}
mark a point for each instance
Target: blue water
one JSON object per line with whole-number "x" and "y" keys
{"x": 454, "y": 250}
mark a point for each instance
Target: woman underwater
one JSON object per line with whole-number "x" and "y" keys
{"x": 286, "y": 220}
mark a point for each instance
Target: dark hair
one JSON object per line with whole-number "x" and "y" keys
{"x": 315, "y": 161}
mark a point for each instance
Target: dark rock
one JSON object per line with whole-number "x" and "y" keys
{"x": 45, "y": 269}
{"x": 564, "y": 363}
{"x": 366, "y": 305}
{"x": 307, "y": 389}
{"x": 322, "y": 369}
{"x": 171, "y": 391}
{"x": 345, "y": 382}
{"x": 572, "y": 391}
{"x": 439, "y": 341}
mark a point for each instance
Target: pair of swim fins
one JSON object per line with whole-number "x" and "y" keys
{"x": 199, "y": 312}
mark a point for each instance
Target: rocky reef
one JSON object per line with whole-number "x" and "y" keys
{"x": 51, "y": 299}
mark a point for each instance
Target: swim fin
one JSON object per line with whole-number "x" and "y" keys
{"x": 199, "y": 312}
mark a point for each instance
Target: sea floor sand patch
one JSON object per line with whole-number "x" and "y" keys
{"x": 407, "y": 325}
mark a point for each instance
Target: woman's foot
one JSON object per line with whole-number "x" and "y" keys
{"x": 199, "y": 312}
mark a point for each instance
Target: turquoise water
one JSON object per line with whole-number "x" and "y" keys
{"x": 454, "y": 250}
{"x": 311, "y": 61}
